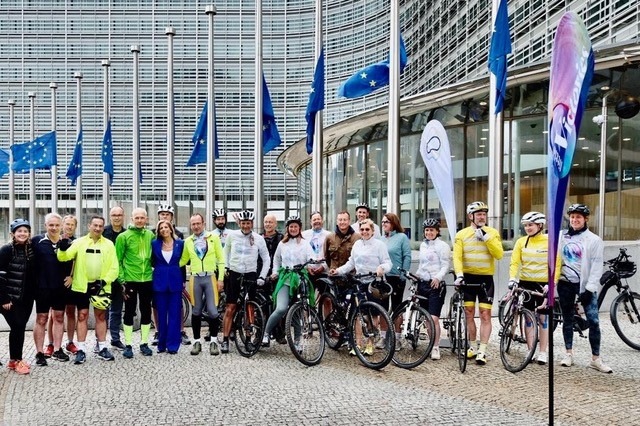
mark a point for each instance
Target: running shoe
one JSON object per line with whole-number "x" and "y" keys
{"x": 145, "y": 350}
{"x": 22, "y": 367}
{"x": 597, "y": 364}
{"x": 185, "y": 338}
{"x": 567, "y": 361}
{"x": 481, "y": 358}
{"x": 128, "y": 352}
{"x": 224, "y": 347}
{"x": 106, "y": 355}
{"x": 542, "y": 358}
{"x": 435, "y": 353}
{"x": 40, "y": 359}
{"x": 117, "y": 344}
{"x": 59, "y": 355}
{"x": 48, "y": 350}
{"x": 196, "y": 349}
{"x": 368, "y": 350}
{"x": 154, "y": 341}
{"x": 11, "y": 365}
{"x": 71, "y": 347}
{"x": 214, "y": 349}
{"x": 81, "y": 357}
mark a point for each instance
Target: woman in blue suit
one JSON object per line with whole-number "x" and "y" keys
{"x": 166, "y": 250}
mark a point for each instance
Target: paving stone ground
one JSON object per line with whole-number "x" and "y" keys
{"x": 273, "y": 388}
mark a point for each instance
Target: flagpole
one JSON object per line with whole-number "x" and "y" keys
{"x": 105, "y": 176}
{"x": 54, "y": 168}
{"x": 78, "y": 77}
{"x": 12, "y": 182}
{"x": 258, "y": 182}
{"x": 135, "y": 196}
{"x": 210, "y": 194}
{"x": 317, "y": 180}
{"x": 32, "y": 171}
{"x": 170, "y": 32}
{"x": 393, "y": 141}
{"x": 494, "y": 195}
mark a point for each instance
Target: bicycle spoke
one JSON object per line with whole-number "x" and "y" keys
{"x": 305, "y": 334}
{"x": 416, "y": 340}
{"x": 518, "y": 340}
{"x": 625, "y": 318}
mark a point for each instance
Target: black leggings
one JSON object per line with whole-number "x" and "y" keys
{"x": 143, "y": 290}
{"x": 17, "y": 318}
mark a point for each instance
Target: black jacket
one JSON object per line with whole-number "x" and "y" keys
{"x": 17, "y": 262}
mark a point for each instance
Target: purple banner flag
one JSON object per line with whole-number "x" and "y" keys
{"x": 572, "y": 65}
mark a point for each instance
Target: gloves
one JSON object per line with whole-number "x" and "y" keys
{"x": 586, "y": 298}
{"x": 260, "y": 282}
{"x": 459, "y": 281}
{"x": 481, "y": 235}
{"x": 64, "y": 244}
{"x": 545, "y": 289}
{"x": 512, "y": 284}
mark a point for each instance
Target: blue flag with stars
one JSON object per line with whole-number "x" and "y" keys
{"x": 316, "y": 100}
{"x": 4, "y": 162}
{"x": 372, "y": 77}
{"x": 37, "y": 154}
{"x": 270, "y": 135}
{"x": 75, "y": 167}
{"x": 199, "y": 153}
{"x": 500, "y": 48}
{"x": 107, "y": 152}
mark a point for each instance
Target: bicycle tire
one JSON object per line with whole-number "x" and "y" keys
{"x": 451, "y": 324}
{"x": 504, "y": 306}
{"x": 186, "y": 309}
{"x": 305, "y": 333}
{"x": 518, "y": 340}
{"x": 369, "y": 336}
{"x": 249, "y": 326}
{"x": 416, "y": 346}
{"x": 332, "y": 322}
{"x": 461, "y": 338}
{"x": 625, "y": 318}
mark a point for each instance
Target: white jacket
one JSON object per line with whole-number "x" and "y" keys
{"x": 241, "y": 253}
{"x": 366, "y": 256}
{"x": 582, "y": 259}
{"x": 292, "y": 253}
{"x": 435, "y": 260}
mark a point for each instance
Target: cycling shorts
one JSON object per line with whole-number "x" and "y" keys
{"x": 483, "y": 293}
{"x": 434, "y": 297}
{"x": 51, "y": 298}
{"x": 233, "y": 284}
{"x": 79, "y": 300}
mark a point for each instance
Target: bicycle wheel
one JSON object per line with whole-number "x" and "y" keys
{"x": 625, "y": 317}
{"x": 365, "y": 325}
{"x": 461, "y": 338}
{"x": 305, "y": 333}
{"x": 518, "y": 340}
{"x": 504, "y": 306}
{"x": 186, "y": 309}
{"x": 450, "y": 324}
{"x": 417, "y": 340}
{"x": 332, "y": 320}
{"x": 249, "y": 326}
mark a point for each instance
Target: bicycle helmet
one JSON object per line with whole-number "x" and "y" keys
{"x": 477, "y": 206}
{"x": 380, "y": 289}
{"x": 165, "y": 208}
{"x": 245, "y": 215}
{"x": 363, "y": 206}
{"x": 17, "y": 223}
{"x": 219, "y": 213}
{"x": 579, "y": 208}
{"x": 534, "y": 217}
{"x": 293, "y": 219}
{"x": 431, "y": 223}
{"x": 101, "y": 301}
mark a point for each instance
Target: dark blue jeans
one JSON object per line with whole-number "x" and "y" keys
{"x": 115, "y": 311}
{"x": 567, "y": 293}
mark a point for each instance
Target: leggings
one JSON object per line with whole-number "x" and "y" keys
{"x": 144, "y": 290}
{"x": 282, "y": 303}
{"x": 203, "y": 293}
{"x": 567, "y": 293}
{"x": 17, "y": 318}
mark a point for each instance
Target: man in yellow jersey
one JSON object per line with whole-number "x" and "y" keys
{"x": 475, "y": 250}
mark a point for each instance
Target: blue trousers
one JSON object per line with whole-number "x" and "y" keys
{"x": 169, "y": 307}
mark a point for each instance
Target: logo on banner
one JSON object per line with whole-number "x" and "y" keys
{"x": 433, "y": 147}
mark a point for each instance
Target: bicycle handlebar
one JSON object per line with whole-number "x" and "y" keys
{"x": 408, "y": 274}
{"x": 297, "y": 268}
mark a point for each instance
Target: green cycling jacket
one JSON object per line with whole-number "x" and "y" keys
{"x": 133, "y": 248}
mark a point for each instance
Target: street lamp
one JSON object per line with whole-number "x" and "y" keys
{"x": 602, "y": 121}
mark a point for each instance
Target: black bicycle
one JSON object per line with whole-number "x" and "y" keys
{"x": 456, "y": 325}
{"x": 348, "y": 316}
{"x": 248, "y": 321}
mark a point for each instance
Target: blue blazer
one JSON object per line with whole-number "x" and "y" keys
{"x": 167, "y": 276}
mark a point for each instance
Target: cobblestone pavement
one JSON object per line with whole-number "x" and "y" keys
{"x": 274, "y": 388}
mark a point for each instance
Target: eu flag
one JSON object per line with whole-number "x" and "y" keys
{"x": 199, "y": 139}
{"x": 75, "y": 167}
{"x": 107, "y": 152}
{"x": 316, "y": 100}
{"x": 37, "y": 154}
{"x": 372, "y": 77}
{"x": 500, "y": 48}
{"x": 270, "y": 135}
{"x": 4, "y": 162}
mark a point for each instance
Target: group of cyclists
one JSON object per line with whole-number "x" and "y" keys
{"x": 144, "y": 270}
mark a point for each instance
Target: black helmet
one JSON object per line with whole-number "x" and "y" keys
{"x": 579, "y": 208}
{"x": 363, "y": 206}
{"x": 18, "y": 223}
{"x": 293, "y": 219}
{"x": 431, "y": 223}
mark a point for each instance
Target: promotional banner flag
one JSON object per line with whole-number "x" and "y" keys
{"x": 107, "y": 152}
{"x": 270, "y": 135}
{"x": 75, "y": 167}
{"x": 500, "y": 48}
{"x": 436, "y": 154}
{"x": 37, "y": 154}
{"x": 572, "y": 64}
{"x": 199, "y": 153}
{"x": 4, "y": 162}
{"x": 316, "y": 100}
{"x": 372, "y": 77}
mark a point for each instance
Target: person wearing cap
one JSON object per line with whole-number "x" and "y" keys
{"x": 475, "y": 251}
{"x": 203, "y": 251}
{"x": 111, "y": 232}
{"x": 17, "y": 290}
{"x": 241, "y": 253}
{"x": 95, "y": 269}
{"x": 582, "y": 264}
{"x": 363, "y": 212}
{"x": 220, "y": 221}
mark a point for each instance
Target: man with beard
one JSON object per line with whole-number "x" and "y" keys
{"x": 220, "y": 221}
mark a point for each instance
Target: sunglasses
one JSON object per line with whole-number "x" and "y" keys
{"x": 365, "y": 229}
{"x": 385, "y": 221}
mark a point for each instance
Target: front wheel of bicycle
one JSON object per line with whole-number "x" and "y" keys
{"x": 416, "y": 340}
{"x": 332, "y": 320}
{"x": 461, "y": 338}
{"x": 504, "y": 306}
{"x": 625, "y": 317}
{"x": 518, "y": 340}
{"x": 249, "y": 327}
{"x": 372, "y": 348}
{"x": 305, "y": 333}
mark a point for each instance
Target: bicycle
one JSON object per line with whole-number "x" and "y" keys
{"x": 519, "y": 334}
{"x": 303, "y": 328}
{"x": 417, "y": 329}
{"x": 456, "y": 325}
{"x": 354, "y": 319}
{"x": 248, "y": 321}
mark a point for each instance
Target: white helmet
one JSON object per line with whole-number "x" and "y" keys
{"x": 245, "y": 215}
{"x": 534, "y": 217}
{"x": 477, "y": 206}
{"x": 165, "y": 208}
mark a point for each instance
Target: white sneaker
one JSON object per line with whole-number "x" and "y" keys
{"x": 265, "y": 339}
{"x": 567, "y": 361}
{"x": 597, "y": 364}
{"x": 435, "y": 353}
{"x": 542, "y": 358}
